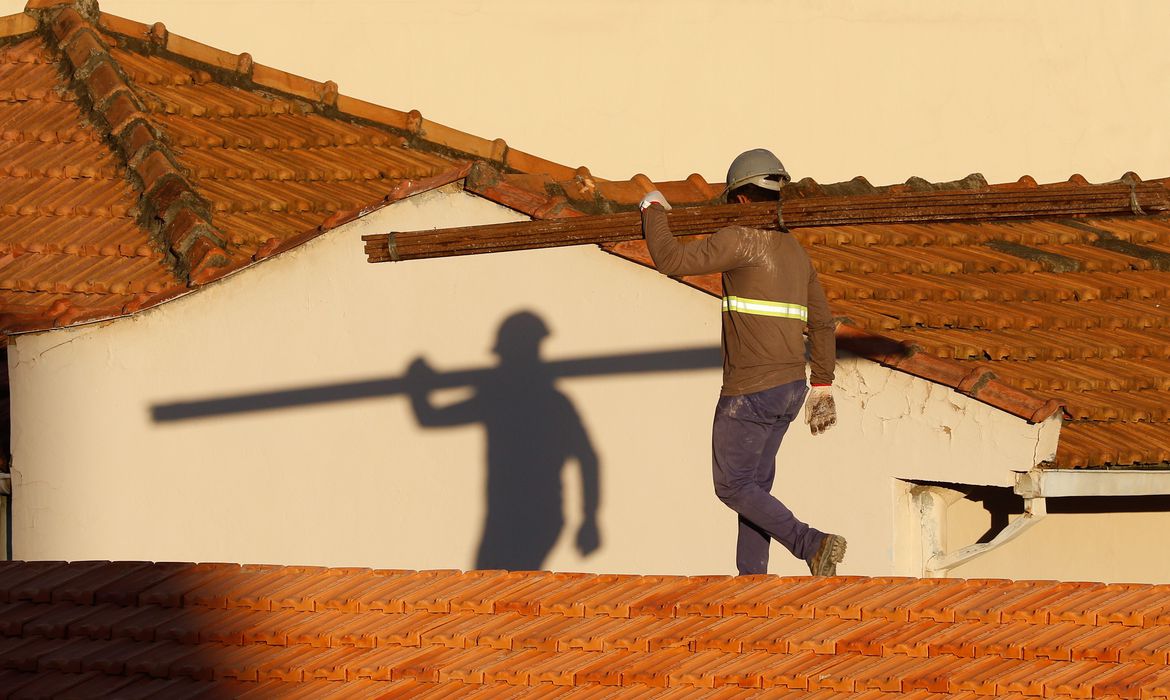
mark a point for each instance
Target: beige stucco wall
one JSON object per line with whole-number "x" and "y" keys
{"x": 360, "y": 482}
{"x": 837, "y": 87}
{"x": 1069, "y": 543}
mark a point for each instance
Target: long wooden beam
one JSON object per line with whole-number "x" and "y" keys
{"x": 906, "y": 207}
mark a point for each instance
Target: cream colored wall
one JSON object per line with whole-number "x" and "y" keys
{"x": 837, "y": 88}
{"x": 1065, "y": 546}
{"x": 360, "y": 482}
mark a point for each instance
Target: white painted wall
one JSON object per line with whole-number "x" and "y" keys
{"x": 360, "y": 483}
{"x": 837, "y": 88}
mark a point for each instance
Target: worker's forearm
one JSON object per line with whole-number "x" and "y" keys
{"x": 823, "y": 355}
{"x": 715, "y": 253}
{"x": 821, "y": 333}
{"x": 665, "y": 250}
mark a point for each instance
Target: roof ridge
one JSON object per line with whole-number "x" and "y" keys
{"x": 240, "y": 69}
{"x": 593, "y": 196}
{"x": 171, "y": 209}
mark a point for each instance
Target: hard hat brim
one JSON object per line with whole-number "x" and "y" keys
{"x": 774, "y": 182}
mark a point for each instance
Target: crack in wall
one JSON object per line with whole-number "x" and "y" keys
{"x": 22, "y": 358}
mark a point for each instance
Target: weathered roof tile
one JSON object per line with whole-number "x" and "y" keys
{"x": 1007, "y": 646}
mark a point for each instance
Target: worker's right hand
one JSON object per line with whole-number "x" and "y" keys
{"x": 820, "y": 411}
{"x": 653, "y": 197}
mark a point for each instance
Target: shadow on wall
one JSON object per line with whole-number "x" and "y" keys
{"x": 533, "y": 431}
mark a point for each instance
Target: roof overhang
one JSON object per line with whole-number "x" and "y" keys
{"x": 1062, "y": 483}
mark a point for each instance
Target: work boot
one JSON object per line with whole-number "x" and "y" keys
{"x": 828, "y": 556}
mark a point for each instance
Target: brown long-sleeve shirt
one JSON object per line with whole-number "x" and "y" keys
{"x": 770, "y": 294}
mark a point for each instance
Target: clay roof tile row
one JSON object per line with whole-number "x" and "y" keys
{"x": 207, "y": 630}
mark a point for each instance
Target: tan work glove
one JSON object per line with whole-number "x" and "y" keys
{"x": 820, "y": 413}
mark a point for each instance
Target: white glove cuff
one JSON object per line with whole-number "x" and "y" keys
{"x": 652, "y": 197}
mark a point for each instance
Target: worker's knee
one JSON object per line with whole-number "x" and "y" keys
{"x": 733, "y": 495}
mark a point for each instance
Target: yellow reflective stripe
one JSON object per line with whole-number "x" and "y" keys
{"x": 759, "y": 307}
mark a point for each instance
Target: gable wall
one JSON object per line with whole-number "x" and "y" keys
{"x": 359, "y": 482}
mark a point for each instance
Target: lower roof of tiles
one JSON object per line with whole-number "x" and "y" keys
{"x": 139, "y": 165}
{"x": 175, "y": 630}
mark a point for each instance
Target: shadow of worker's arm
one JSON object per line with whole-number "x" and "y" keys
{"x": 589, "y": 535}
{"x": 420, "y": 380}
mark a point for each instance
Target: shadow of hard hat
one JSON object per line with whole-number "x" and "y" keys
{"x": 520, "y": 331}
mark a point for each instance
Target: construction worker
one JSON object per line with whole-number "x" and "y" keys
{"x": 770, "y": 293}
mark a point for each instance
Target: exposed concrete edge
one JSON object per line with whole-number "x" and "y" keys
{"x": 1063, "y": 483}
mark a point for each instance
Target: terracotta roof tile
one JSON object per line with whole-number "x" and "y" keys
{"x": 148, "y": 624}
{"x": 1030, "y": 639}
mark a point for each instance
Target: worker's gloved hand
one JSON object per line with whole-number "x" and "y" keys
{"x": 653, "y": 197}
{"x": 820, "y": 412}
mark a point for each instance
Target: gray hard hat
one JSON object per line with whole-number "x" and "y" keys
{"x": 759, "y": 167}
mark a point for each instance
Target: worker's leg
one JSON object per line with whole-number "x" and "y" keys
{"x": 751, "y": 548}
{"x": 766, "y": 468}
{"x": 746, "y": 435}
{"x": 753, "y": 544}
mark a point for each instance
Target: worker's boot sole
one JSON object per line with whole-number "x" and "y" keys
{"x": 828, "y": 556}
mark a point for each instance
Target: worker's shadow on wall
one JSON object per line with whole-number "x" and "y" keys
{"x": 533, "y": 431}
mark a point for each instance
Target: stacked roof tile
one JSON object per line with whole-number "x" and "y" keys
{"x": 138, "y": 164}
{"x": 135, "y": 629}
